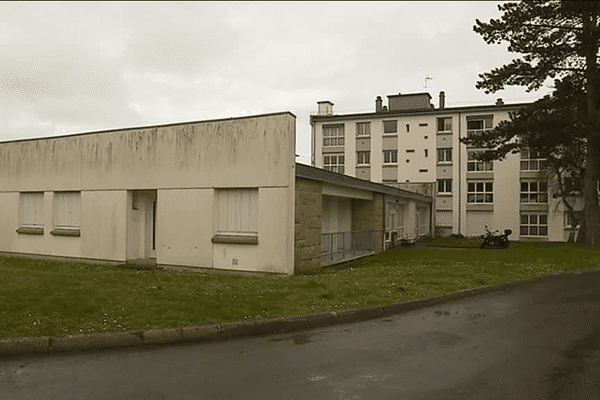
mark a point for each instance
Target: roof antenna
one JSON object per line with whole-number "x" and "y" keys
{"x": 427, "y": 78}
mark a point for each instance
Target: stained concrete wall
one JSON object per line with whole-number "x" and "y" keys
{"x": 308, "y": 223}
{"x": 368, "y": 215}
{"x": 183, "y": 163}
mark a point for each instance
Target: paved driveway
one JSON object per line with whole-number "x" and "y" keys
{"x": 537, "y": 341}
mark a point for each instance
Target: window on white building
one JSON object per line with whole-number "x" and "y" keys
{"x": 532, "y": 161}
{"x": 444, "y": 125}
{"x": 363, "y": 157}
{"x": 444, "y": 185}
{"x": 476, "y": 165}
{"x": 32, "y": 209}
{"x": 334, "y": 163}
{"x": 534, "y": 192}
{"x": 333, "y": 135}
{"x": 444, "y": 155}
{"x": 236, "y": 211}
{"x": 534, "y": 224}
{"x": 390, "y": 127}
{"x": 363, "y": 129}
{"x": 66, "y": 213}
{"x": 480, "y": 192}
{"x": 476, "y": 125}
{"x": 390, "y": 156}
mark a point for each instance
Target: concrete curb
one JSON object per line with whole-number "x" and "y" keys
{"x": 209, "y": 333}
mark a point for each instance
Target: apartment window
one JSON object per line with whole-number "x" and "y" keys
{"x": 444, "y": 125}
{"x": 444, "y": 185}
{"x": 480, "y": 192}
{"x": 534, "y": 192}
{"x": 426, "y": 153}
{"x": 390, "y": 156}
{"x": 473, "y": 164}
{"x": 334, "y": 163}
{"x": 236, "y": 216}
{"x": 476, "y": 125}
{"x": 32, "y": 213}
{"x": 532, "y": 161}
{"x": 363, "y": 157}
{"x": 534, "y": 224}
{"x": 333, "y": 135}
{"x": 444, "y": 155}
{"x": 363, "y": 129}
{"x": 66, "y": 213}
{"x": 390, "y": 127}
{"x": 407, "y": 127}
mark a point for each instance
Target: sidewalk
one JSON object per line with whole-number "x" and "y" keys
{"x": 11, "y": 347}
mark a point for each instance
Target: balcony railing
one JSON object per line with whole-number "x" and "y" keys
{"x": 340, "y": 246}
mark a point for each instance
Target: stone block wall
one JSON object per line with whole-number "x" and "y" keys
{"x": 368, "y": 215}
{"x": 308, "y": 223}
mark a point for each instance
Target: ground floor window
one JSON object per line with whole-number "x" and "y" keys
{"x": 32, "y": 209}
{"x": 534, "y": 224}
{"x": 66, "y": 210}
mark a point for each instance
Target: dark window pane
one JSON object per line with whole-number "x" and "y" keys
{"x": 533, "y": 219}
{"x": 524, "y": 230}
{"x": 524, "y": 186}
{"x": 471, "y": 198}
{"x": 524, "y": 165}
{"x": 543, "y": 219}
{"x": 449, "y": 185}
{"x": 489, "y": 198}
{"x": 533, "y": 198}
{"x": 471, "y": 187}
{"x": 524, "y": 198}
{"x": 533, "y": 165}
{"x": 543, "y": 231}
{"x": 524, "y": 219}
{"x": 479, "y": 198}
{"x": 480, "y": 186}
{"x": 471, "y": 166}
{"x": 533, "y": 230}
{"x": 489, "y": 186}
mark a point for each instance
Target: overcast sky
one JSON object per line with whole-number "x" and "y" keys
{"x": 80, "y": 67}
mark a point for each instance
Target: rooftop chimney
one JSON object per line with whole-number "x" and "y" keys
{"x": 499, "y": 102}
{"x": 442, "y": 100}
{"x": 378, "y": 104}
{"x": 325, "y": 107}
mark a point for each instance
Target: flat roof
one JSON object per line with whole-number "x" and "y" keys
{"x": 425, "y": 111}
{"x": 322, "y": 175}
{"x": 150, "y": 126}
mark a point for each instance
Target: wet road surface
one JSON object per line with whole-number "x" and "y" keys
{"x": 537, "y": 341}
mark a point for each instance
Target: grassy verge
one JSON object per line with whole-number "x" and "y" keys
{"x": 56, "y": 298}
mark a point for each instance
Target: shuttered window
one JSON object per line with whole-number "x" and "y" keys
{"x": 236, "y": 211}
{"x": 32, "y": 209}
{"x": 66, "y": 210}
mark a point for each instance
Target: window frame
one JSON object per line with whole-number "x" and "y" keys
{"x": 393, "y": 153}
{"x": 487, "y": 124}
{"x": 66, "y": 222}
{"x": 363, "y": 124}
{"x": 385, "y": 124}
{"x": 235, "y": 229}
{"x": 526, "y": 158}
{"x": 447, "y": 155}
{"x": 336, "y": 166}
{"x": 485, "y": 193}
{"x": 363, "y": 158}
{"x": 444, "y": 186}
{"x": 474, "y": 165}
{"x": 31, "y": 221}
{"x": 334, "y": 133}
{"x": 540, "y": 196}
{"x": 529, "y": 225}
{"x": 443, "y": 120}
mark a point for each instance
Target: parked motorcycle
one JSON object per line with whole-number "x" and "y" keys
{"x": 495, "y": 239}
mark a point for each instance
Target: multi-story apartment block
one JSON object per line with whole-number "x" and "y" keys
{"x": 413, "y": 145}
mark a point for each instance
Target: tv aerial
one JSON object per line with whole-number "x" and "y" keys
{"x": 427, "y": 78}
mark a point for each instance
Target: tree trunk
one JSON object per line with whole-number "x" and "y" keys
{"x": 592, "y": 173}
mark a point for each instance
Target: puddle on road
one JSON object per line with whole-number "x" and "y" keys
{"x": 299, "y": 338}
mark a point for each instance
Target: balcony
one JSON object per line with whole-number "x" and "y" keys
{"x": 343, "y": 246}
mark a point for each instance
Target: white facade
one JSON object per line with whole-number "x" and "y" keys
{"x": 403, "y": 145}
{"x": 213, "y": 194}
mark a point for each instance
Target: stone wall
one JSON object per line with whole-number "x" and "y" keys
{"x": 368, "y": 215}
{"x": 308, "y": 223}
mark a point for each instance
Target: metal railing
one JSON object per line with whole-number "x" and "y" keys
{"x": 340, "y": 246}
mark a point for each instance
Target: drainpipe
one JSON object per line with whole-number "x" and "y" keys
{"x": 459, "y": 180}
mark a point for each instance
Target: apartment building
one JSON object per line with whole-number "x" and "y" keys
{"x": 413, "y": 145}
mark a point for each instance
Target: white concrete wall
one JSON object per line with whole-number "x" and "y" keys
{"x": 182, "y": 163}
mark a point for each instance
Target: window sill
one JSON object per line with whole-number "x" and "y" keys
{"x": 444, "y": 133}
{"x": 390, "y": 135}
{"x": 444, "y": 163}
{"x": 450, "y": 194}
{"x": 30, "y": 230}
{"x": 65, "y": 232}
{"x": 235, "y": 239}
{"x": 362, "y": 165}
{"x": 390, "y": 164}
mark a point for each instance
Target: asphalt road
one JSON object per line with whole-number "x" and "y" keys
{"x": 538, "y": 341}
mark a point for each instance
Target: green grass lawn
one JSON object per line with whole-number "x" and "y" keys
{"x": 57, "y": 298}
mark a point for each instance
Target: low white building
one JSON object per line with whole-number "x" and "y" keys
{"x": 412, "y": 144}
{"x": 213, "y": 194}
